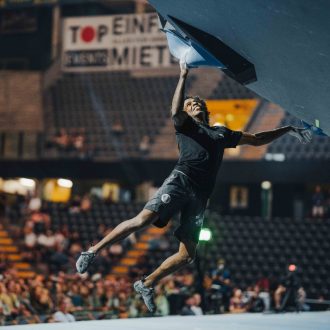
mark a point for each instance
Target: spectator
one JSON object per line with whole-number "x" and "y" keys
{"x": 74, "y": 294}
{"x": 187, "y": 310}
{"x": 9, "y": 303}
{"x": 144, "y": 145}
{"x": 60, "y": 239}
{"x": 264, "y": 287}
{"x": 86, "y": 295}
{"x": 191, "y": 306}
{"x": 40, "y": 220}
{"x": 42, "y": 301}
{"x": 48, "y": 240}
{"x": 112, "y": 302}
{"x": 221, "y": 292}
{"x": 30, "y": 238}
{"x": 255, "y": 303}
{"x": 161, "y": 301}
{"x": 86, "y": 204}
{"x": 196, "y": 306}
{"x": 301, "y": 297}
{"x": 222, "y": 270}
{"x": 117, "y": 128}
{"x": 278, "y": 296}
{"x": 78, "y": 141}
{"x": 236, "y": 302}
{"x": 318, "y": 202}
{"x": 34, "y": 203}
{"x": 59, "y": 259}
{"x": 63, "y": 315}
{"x": 75, "y": 205}
{"x": 62, "y": 140}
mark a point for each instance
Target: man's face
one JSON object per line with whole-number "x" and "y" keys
{"x": 194, "y": 107}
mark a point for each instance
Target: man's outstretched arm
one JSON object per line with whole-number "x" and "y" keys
{"x": 178, "y": 97}
{"x": 259, "y": 139}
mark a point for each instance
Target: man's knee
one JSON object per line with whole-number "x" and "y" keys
{"x": 187, "y": 258}
{"x": 187, "y": 251}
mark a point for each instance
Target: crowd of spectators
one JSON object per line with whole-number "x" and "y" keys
{"x": 69, "y": 143}
{"x": 61, "y": 295}
{"x": 50, "y": 250}
{"x": 64, "y": 297}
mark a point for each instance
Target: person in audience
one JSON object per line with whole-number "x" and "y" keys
{"x": 9, "y": 302}
{"x": 191, "y": 306}
{"x": 74, "y": 294}
{"x": 254, "y": 303}
{"x": 318, "y": 202}
{"x": 117, "y": 127}
{"x": 34, "y": 203}
{"x": 48, "y": 239}
{"x": 75, "y": 205}
{"x": 236, "y": 302}
{"x": 196, "y": 306}
{"x": 278, "y": 296}
{"x": 144, "y": 145}
{"x": 42, "y": 301}
{"x": 78, "y": 140}
{"x": 40, "y": 221}
{"x": 188, "y": 187}
{"x": 264, "y": 287}
{"x": 58, "y": 259}
{"x": 222, "y": 289}
{"x": 60, "y": 239}
{"x": 301, "y": 300}
{"x": 64, "y": 307}
{"x": 161, "y": 301}
{"x": 186, "y": 310}
{"x": 86, "y": 203}
{"x": 62, "y": 140}
{"x": 30, "y": 238}
{"x": 221, "y": 270}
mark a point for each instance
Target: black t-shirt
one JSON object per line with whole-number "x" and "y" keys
{"x": 201, "y": 150}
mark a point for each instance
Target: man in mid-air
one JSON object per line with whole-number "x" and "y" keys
{"x": 188, "y": 187}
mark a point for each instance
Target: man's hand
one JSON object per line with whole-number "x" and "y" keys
{"x": 304, "y": 135}
{"x": 184, "y": 66}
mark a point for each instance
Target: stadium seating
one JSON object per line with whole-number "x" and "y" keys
{"x": 253, "y": 247}
{"x": 98, "y": 101}
{"x": 87, "y": 223}
{"x": 256, "y": 247}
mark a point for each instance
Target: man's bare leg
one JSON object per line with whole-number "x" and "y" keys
{"x": 184, "y": 256}
{"x": 125, "y": 228}
{"x": 143, "y": 219}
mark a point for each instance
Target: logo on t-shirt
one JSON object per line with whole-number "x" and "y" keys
{"x": 166, "y": 198}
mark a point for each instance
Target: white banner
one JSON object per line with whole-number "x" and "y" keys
{"x": 118, "y": 42}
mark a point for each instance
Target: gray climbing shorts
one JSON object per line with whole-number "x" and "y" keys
{"x": 179, "y": 194}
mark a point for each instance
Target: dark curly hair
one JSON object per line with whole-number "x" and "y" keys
{"x": 204, "y": 106}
